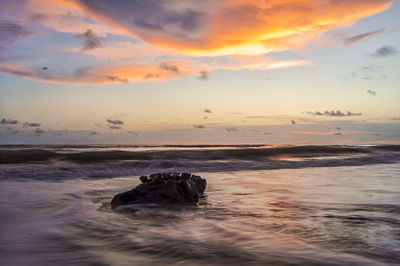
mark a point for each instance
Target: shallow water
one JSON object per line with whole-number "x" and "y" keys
{"x": 347, "y": 215}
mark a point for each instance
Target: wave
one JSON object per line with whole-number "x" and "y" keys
{"x": 45, "y": 164}
{"x": 25, "y": 155}
{"x": 105, "y": 146}
{"x": 9, "y": 156}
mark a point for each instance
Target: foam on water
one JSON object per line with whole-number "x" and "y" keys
{"x": 309, "y": 216}
{"x": 303, "y": 205}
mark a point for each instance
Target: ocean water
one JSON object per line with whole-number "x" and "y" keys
{"x": 263, "y": 205}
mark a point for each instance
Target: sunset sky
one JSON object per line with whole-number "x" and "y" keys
{"x": 210, "y": 72}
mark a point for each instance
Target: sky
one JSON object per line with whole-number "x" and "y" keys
{"x": 199, "y": 72}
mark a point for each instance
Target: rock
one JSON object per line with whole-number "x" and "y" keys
{"x": 143, "y": 178}
{"x": 165, "y": 188}
{"x": 200, "y": 183}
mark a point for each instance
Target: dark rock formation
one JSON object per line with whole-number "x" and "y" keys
{"x": 165, "y": 188}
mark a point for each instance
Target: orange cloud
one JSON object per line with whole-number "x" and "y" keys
{"x": 243, "y": 31}
{"x": 249, "y": 27}
{"x": 107, "y": 74}
{"x": 240, "y": 62}
{"x": 135, "y": 73}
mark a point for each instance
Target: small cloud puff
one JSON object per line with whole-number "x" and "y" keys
{"x": 169, "y": 67}
{"x": 115, "y": 122}
{"x": 38, "y": 131}
{"x": 385, "y": 51}
{"x": 91, "y": 40}
{"x": 8, "y": 121}
{"x": 199, "y": 126}
{"x": 203, "y": 75}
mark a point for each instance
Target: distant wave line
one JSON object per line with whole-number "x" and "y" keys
{"x": 10, "y": 156}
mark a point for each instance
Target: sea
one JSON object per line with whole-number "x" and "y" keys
{"x": 263, "y": 205}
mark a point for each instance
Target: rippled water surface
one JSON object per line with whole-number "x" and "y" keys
{"x": 348, "y": 215}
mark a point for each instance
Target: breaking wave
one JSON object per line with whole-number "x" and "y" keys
{"x": 60, "y": 162}
{"x": 233, "y": 152}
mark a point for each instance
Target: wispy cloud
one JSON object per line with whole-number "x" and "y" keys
{"x": 199, "y": 126}
{"x": 12, "y": 132}
{"x": 117, "y": 79}
{"x": 367, "y": 72}
{"x": 114, "y": 127}
{"x": 58, "y": 134}
{"x": 371, "y": 69}
{"x": 359, "y": 37}
{"x": 105, "y": 74}
{"x": 10, "y": 31}
{"x": 232, "y": 129}
{"x": 132, "y": 132}
{"x": 257, "y": 117}
{"x": 314, "y": 133}
{"x": 115, "y": 122}
{"x": 334, "y": 113}
{"x": 31, "y": 124}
